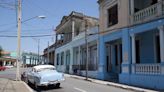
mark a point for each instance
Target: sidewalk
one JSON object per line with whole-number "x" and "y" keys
{"x": 111, "y": 84}
{"x": 7, "y": 85}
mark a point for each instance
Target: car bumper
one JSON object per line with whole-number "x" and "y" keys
{"x": 51, "y": 82}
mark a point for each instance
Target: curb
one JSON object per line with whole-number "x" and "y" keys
{"x": 30, "y": 90}
{"x": 122, "y": 86}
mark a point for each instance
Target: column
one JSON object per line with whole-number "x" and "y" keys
{"x": 161, "y": 37}
{"x": 51, "y": 58}
{"x": 161, "y": 34}
{"x": 133, "y": 53}
{"x": 124, "y": 77}
{"x": 160, "y": 7}
{"x": 133, "y": 49}
{"x": 4, "y": 63}
{"x": 102, "y": 58}
{"x": 79, "y": 58}
{"x": 71, "y": 61}
{"x": 73, "y": 29}
{"x": 131, "y": 10}
{"x": 65, "y": 60}
{"x": 131, "y": 7}
{"x": 126, "y": 48}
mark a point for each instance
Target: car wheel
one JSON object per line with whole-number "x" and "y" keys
{"x": 36, "y": 86}
{"x": 57, "y": 85}
{"x": 26, "y": 80}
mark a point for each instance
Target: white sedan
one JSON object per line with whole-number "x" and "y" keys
{"x": 44, "y": 75}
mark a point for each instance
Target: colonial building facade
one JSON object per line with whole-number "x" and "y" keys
{"x": 31, "y": 59}
{"x": 49, "y": 54}
{"x": 8, "y": 59}
{"x": 131, "y": 42}
{"x": 77, "y": 39}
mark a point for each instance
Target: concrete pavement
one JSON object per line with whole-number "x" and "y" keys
{"x": 7, "y": 85}
{"x": 112, "y": 84}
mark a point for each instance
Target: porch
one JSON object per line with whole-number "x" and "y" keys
{"x": 147, "y": 52}
{"x": 147, "y": 49}
{"x": 146, "y": 10}
{"x": 80, "y": 64}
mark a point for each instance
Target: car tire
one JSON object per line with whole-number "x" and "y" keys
{"x": 26, "y": 80}
{"x": 36, "y": 86}
{"x": 57, "y": 85}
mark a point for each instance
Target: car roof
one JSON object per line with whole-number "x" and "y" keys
{"x": 43, "y": 66}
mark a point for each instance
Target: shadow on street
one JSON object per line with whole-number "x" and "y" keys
{"x": 43, "y": 88}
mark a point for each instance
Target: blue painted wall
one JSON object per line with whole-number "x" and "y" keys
{"x": 146, "y": 33}
{"x": 147, "y": 54}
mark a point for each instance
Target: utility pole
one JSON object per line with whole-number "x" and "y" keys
{"x": 38, "y": 51}
{"x": 48, "y": 53}
{"x": 18, "y": 41}
{"x": 86, "y": 28}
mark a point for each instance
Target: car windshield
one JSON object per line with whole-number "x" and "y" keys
{"x": 45, "y": 69}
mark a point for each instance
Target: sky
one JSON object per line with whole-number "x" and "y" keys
{"x": 54, "y": 10}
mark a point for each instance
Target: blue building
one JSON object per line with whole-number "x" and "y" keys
{"x": 31, "y": 59}
{"x": 71, "y": 52}
{"x": 131, "y": 42}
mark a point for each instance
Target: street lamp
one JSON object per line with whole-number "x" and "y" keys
{"x": 19, "y": 20}
{"x": 40, "y": 17}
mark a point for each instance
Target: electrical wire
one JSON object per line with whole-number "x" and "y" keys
{"x": 42, "y": 9}
{"x": 26, "y": 36}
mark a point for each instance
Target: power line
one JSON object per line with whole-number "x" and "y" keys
{"x": 12, "y": 23}
{"x": 8, "y": 29}
{"x": 42, "y": 9}
{"x": 8, "y": 5}
{"x": 25, "y": 36}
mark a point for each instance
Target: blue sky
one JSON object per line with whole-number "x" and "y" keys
{"x": 54, "y": 10}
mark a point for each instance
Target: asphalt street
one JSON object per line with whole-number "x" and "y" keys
{"x": 11, "y": 73}
{"x": 75, "y": 85}
{"x": 69, "y": 85}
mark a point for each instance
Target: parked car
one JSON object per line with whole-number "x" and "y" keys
{"x": 43, "y": 75}
{"x": 2, "y": 68}
{"x": 9, "y": 66}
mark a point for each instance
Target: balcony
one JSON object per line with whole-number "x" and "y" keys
{"x": 150, "y": 13}
{"x": 60, "y": 43}
{"x": 153, "y": 69}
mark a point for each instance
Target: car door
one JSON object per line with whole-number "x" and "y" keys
{"x": 31, "y": 76}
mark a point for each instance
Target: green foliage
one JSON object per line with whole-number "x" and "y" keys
{"x": 1, "y": 51}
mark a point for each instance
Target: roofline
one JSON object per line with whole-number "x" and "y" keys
{"x": 73, "y": 14}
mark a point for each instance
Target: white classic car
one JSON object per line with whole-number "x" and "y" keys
{"x": 44, "y": 75}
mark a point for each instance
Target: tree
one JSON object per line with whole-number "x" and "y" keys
{"x": 1, "y": 51}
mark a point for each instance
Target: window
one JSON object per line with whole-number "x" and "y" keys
{"x": 62, "y": 58}
{"x": 113, "y": 15}
{"x": 157, "y": 49}
{"x": 57, "y": 59}
{"x": 116, "y": 54}
{"x": 137, "y": 43}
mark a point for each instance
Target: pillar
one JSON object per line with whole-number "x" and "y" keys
{"x": 102, "y": 58}
{"x": 161, "y": 34}
{"x": 73, "y": 29}
{"x": 131, "y": 10}
{"x": 71, "y": 61}
{"x": 4, "y": 63}
{"x": 133, "y": 49}
{"x": 133, "y": 53}
{"x": 79, "y": 55}
{"x": 132, "y": 7}
{"x": 124, "y": 77}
